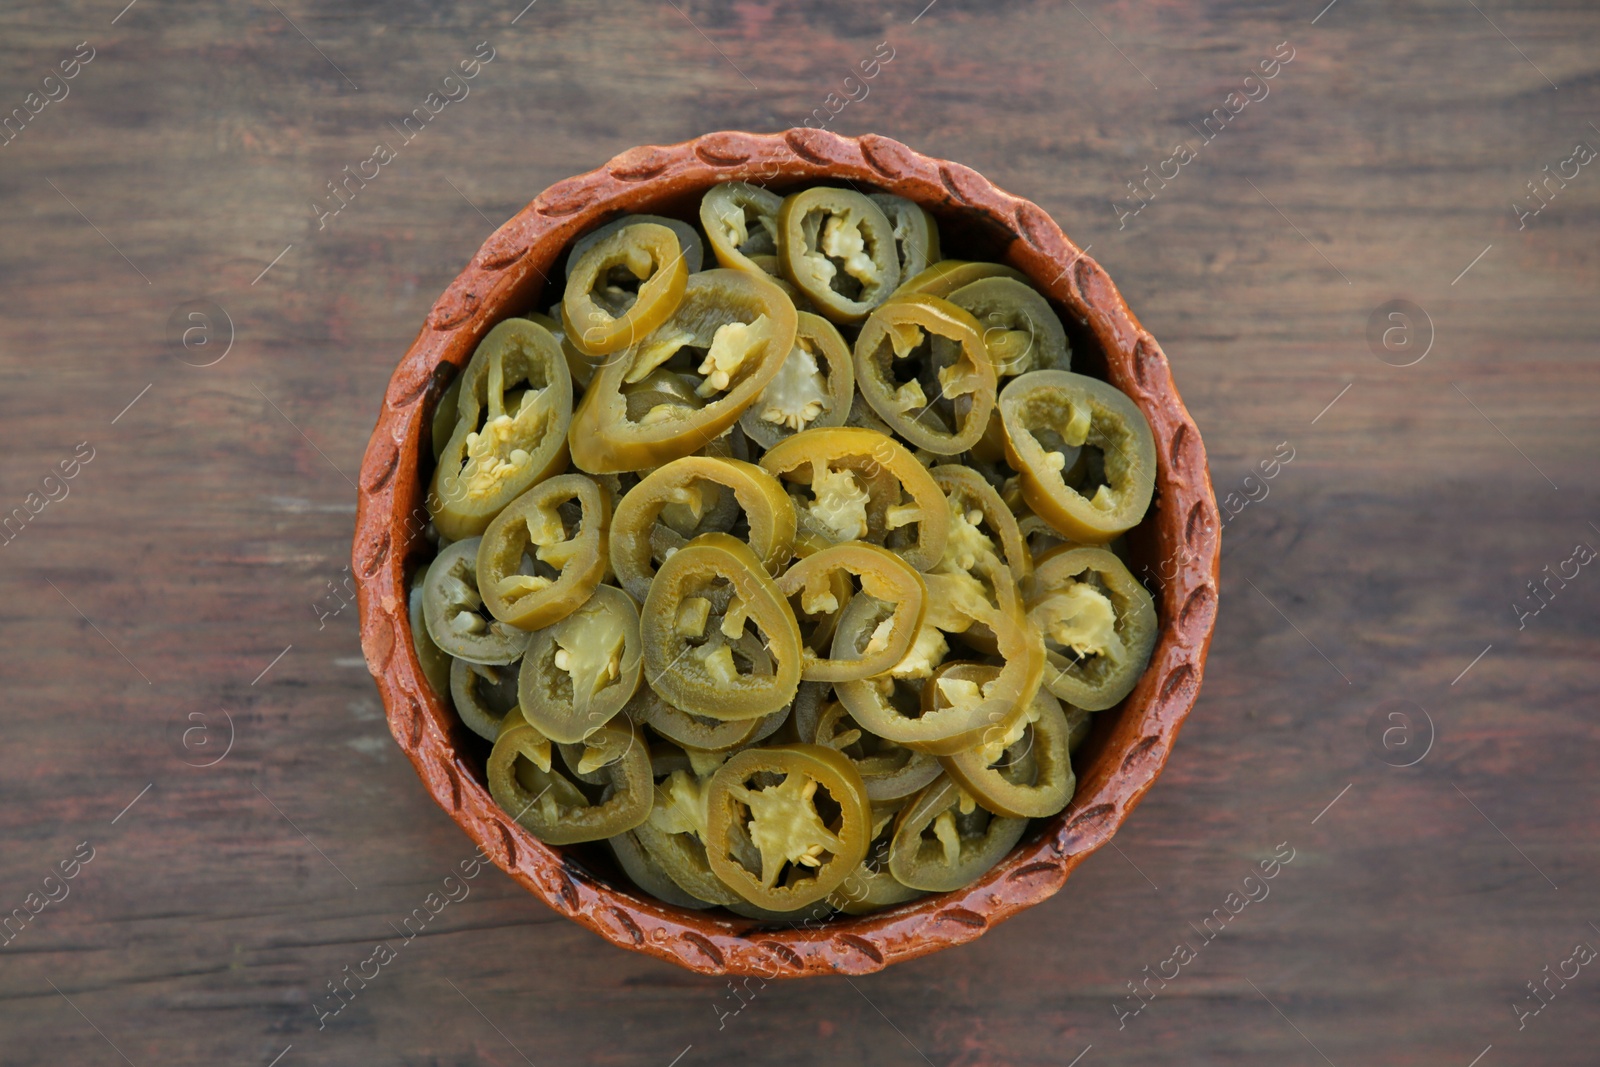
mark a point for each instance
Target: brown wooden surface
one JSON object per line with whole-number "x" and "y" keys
{"x": 217, "y": 511}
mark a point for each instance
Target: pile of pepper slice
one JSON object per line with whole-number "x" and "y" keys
{"x": 790, "y": 571}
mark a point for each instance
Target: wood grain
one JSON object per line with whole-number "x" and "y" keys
{"x": 218, "y": 508}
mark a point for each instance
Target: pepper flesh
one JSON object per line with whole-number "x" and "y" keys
{"x": 511, "y": 429}
{"x": 884, "y": 577}
{"x": 857, "y": 478}
{"x": 1019, "y": 329}
{"x": 735, "y": 327}
{"x": 601, "y": 317}
{"x": 741, "y": 221}
{"x": 673, "y": 502}
{"x": 943, "y": 841}
{"x": 454, "y": 610}
{"x": 800, "y": 855}
{"x": 921, "y": 363}
{"x": 546, "y": 803}
{"x": 1047, "y": 412}
{"x": 578, "y": 673}
{"x": 529, "y": 539}
{"x": 1099, "y": 622}
{"x": 688, "y": 660}
{"x": 814, "y": 387}
{"x": 983, "y": 769}
{"x": 838, "y": 248}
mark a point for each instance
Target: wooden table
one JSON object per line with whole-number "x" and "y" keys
{"x": 191, "y": 577}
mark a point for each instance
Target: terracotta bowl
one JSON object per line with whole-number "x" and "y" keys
{"x": 1176, "y": 546}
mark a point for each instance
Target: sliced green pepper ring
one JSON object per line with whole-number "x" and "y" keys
{"x": 1047, "y": 413}
{"x": 454, "y": 611}
{"x": 870, "y": 887}
{"x": 483, "y": 695}
{"x": 857, "y": 478}
{"x": 1020, "y": 330}
{"x": 446, "y": 415}
{"x": 511, "y": 431}
{"x": 1079, "y": 723}
{"x": 536, "y": 565}
{"x": 1098, "y": 621}
{"x": 814, "y": 387}
{"x": 688, "y": 239}
{"x": 725, "y": 342}
{"x": 550, "y": 806}
{"x": 698, "y": 731}
{"x": 817, "y": 629}
{"x": 945, "y": 277}
{"x": 641, "y": 867}
{"x": 600, "y": 311}
{"x": 974, "y": 504}
{"x": 1042, "y": 735}
{"x": 911, "y": 707}
{"x": 889, "y": 771}
{"x": 944, "y": 841}
{"x": 839, "y": 249}
{"x": 682, "y": 858}
{"x": 921, "y": 363}
{"x": 680, "y": 500}
{"x": 693, "y": 664}
{"x": 804, "y": 811}
{"x": 883, "y": 576}
{"x": 741, "y": 221}
{"x": 916, "y": 234}
{"x": 579, "y": 366}
{"x": 578, "y": 673}
{"x": 433, "y": 660}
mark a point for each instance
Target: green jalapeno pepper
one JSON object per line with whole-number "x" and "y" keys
{"x": 814, "y": 387}
{"x": 674, "y": 837}
{"x": 641, "y": 867}
{"x": 1048, "y": 413}
{"x": 1019, "y": 329}
{"x": 1099, "y": 625}
{"x": 455, "y": 615}
{"x": 916, "y": 234}
{"x": 688, "y": 239}
{"x": 1041, "y": 738}
{"x": 578, "y": 673}
{"x": 890, "y": 772}
{"x": 546, "y": 803}
{"x": 980, "y": 523}
{"x": 533, "y": 569}
{"x": 600, "y": 310}
{"x": 729, "y": 335}
{"x": 802, "y": 849}
{"x": 483, "y": 695}
{"x": 858, "y": 479}
{"x": 699, "y": 605}
{"x": 883, "y": 576}
{"x": 943, "y": 840}
{"x": 679, "y": 501}
{"x": 701, "y": 732}
{"x": 741, "y": 221}
{"x": 433, "y": 660}
{"x": 870, "y": 887}
{"x": 839, "y": 249}
{"x": 921, "y": 363}
{"x": 945, "y": 277}
{"x": 511, "y": 432}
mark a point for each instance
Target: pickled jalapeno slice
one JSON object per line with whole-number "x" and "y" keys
{"x": 916, "y": 234}
{"x": 943, "y": 840}
{"x": 456, "y": 616}
{"x": 682, "y": 499}
{"x": 1049, "y": 415}
{"x": 1019, "y": 329}
{"x": 705, "y": 598}
{"x": 861, "y": 485}
{"x": 921, "y": 363}
{"x": 980, "y": 523}
{"x": 883, "y": 576}
{"x": 888, "y": 771}
{"x": 786, "y": 824}
{"x": 741, "y": 222}
{"x": 945, "y": 277}
{"x": 578, "y": 673}
{"x": 838, "y": 248}
{"x": 511, "y": 431}
{"x": 688, "y": 239}
{"x": 1024, "y": 773}
{"x": 724, "y": 344}
{"x": 625, "y": 285}
{"x": 483, "y": 695}
{"x": 814, "y": 387}
{"x": 542, "y": 557}
{"x": 1099, "y": 625}
{"x": 551, "y": 806}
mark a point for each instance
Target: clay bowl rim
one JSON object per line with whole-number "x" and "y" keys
{"x": 506, "y": 274}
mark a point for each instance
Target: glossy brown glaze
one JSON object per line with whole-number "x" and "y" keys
{"x": 1130, "y": 744}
